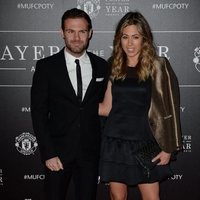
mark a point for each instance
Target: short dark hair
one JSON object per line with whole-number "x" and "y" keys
{"x": 76, "y": 13}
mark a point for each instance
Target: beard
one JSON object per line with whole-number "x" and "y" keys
{"x": 76, "y": 48}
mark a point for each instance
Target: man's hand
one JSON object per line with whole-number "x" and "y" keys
{"x": 54, "y": 164}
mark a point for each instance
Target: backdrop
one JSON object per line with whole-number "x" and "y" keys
{"x": 29, "y": 31}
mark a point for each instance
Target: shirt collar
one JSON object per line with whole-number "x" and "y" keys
{"x": 70, "y": 58}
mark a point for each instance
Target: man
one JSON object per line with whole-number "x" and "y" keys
{"x": 64, "y": 108}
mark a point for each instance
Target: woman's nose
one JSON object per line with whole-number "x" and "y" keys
{"x": 130, "y": 41}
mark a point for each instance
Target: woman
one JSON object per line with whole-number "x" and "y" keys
{"x": 142, "y": 105}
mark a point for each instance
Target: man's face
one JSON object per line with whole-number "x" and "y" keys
{"x": 76, "y": 35}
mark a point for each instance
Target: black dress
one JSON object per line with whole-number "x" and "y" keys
{"x": 126, "y": 129}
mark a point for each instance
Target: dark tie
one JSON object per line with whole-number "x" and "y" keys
{"x": 79, "y": 80}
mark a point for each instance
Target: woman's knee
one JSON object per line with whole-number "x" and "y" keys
{"x": 149, "y": 191}
{"x": 118, "y": 191}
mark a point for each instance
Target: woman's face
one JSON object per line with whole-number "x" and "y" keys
{"x": 131, "y": 42}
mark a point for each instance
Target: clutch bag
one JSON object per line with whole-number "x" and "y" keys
{"x": 145, "y": 154}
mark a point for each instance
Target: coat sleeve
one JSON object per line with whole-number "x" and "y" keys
{"x": 40, "y": 112}
{"x": 174, "y": 96}
{"x": 164, "y": 112}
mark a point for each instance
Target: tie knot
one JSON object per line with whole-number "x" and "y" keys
{"x": 77, "y": 61}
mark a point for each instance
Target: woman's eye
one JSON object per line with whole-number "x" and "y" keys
{"x": 124, "y": 37}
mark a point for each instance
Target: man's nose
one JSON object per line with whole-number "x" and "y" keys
{"x": 76, "y": 35}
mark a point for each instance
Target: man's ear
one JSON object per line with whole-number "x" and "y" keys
{"x": 62, "y": 33}
{"x": 90, "y": 33}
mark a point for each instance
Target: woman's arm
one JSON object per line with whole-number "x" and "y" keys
{"x": 106, "y": 105}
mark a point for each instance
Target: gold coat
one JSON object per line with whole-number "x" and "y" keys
{"x": 164, "y": 112}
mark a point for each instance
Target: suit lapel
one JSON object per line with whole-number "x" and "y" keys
{"x": 67, "y": 82}
{"x": 92, "y": 82}
{"x": 65, "y": 76}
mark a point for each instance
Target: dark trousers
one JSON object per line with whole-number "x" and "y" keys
{"x": 84, "y": 175}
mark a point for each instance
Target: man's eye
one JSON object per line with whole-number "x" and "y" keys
{"x": 83, "y": 31}
{"x": 69, "y": 31}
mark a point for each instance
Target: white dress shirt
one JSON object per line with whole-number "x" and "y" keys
{"x": 86, "y": 70}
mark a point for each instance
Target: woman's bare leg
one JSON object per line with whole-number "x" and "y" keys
{"x": 149, "y": 191}
{"x": 118, "y": 191}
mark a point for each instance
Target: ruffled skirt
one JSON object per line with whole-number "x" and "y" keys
{"x": 119, "y": 164}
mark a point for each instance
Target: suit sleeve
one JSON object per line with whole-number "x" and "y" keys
{"x": 40, "y": 112}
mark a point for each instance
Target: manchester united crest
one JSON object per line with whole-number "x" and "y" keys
{"x": 196, "y": 58}
{"x": 26, "y": 143}
{"x": 91, "y": 7}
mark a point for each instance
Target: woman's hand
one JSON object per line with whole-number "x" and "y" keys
{"x": 163, "y": 158}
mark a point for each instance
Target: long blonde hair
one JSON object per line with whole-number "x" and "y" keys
{"x": 147, "y": 54}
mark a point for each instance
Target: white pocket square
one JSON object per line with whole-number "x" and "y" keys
{"x": 99, "y": 79}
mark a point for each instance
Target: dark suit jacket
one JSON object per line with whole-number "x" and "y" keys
{"x": 164, "y": 112}
{"x": 62, "y": 125}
